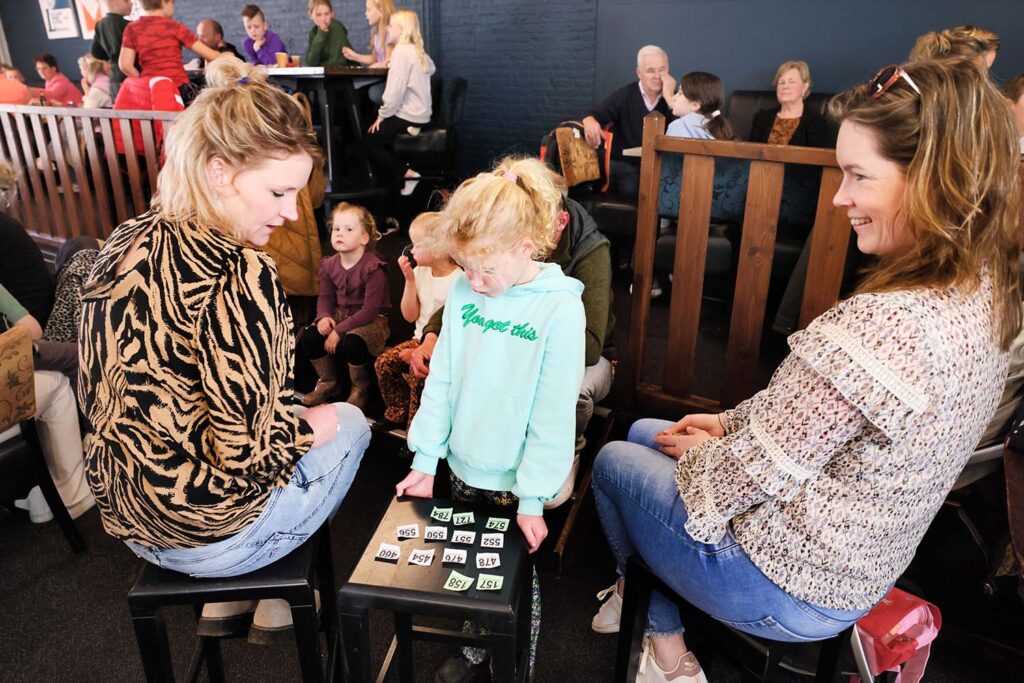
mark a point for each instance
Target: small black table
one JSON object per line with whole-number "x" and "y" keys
{"x": 409, "y": 590}
{"x": 331, "y": 85}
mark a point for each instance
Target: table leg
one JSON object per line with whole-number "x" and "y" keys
{"x": 403, "y": 633}
{"x": 307, "y": 640}
{"x": 323, "y": 95}
{"x": 355, "y": 639}
{"x": 503, "y": 652}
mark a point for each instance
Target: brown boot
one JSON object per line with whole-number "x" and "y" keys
{"x": 360, "y": 394}
{"x": 326, "y": 386}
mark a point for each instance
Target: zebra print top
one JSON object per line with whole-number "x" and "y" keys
{"x": 185, "y": 362}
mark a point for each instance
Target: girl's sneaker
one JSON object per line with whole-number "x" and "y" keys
{"x": 607, "y": 618}
{"x": 686, "y": 670}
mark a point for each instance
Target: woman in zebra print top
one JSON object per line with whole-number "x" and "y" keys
{"x": 197, "y": 460}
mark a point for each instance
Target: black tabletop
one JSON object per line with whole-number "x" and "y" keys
{"x": 379, "y": 584}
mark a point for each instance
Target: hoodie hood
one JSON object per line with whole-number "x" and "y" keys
{"x": 549, "y": 279}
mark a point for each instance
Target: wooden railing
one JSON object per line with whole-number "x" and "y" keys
{"x": 829, "y": 239}
{"x": 71, "y": 178}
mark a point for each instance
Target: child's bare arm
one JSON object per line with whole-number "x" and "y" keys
{"x": 206, "y": 52}
{"x": 410, "y": 299}
{"x": 126, "y": 62}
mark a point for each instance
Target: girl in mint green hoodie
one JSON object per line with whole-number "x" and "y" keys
{"x": 500, "y": 400}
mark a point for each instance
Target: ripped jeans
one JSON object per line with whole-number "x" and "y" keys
{"x": 292, "y": 514}
{"x": 641, "y": 512}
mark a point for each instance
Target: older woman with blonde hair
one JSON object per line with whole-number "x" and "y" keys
{"x": 197, "y": 460}
{"x": 792, "y": 514}
{"x": 791, "y": 123}
{"x": 95, "y": 82}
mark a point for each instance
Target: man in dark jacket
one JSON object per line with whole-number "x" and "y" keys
{"x": 624, "y": 111}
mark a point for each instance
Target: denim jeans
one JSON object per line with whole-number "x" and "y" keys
{"x": 641, "y": 512}
{"x": 292, "y": 514}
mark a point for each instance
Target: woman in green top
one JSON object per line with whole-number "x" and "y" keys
{"x": 327, "y": 37}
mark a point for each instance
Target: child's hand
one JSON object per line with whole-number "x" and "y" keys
{"x": 375, "y": 126}
{"x": 416, "y": 484}
{"x": 324, "y": 326}
{"x": 403, "y": 263}
{"x": 534, "y": 529}
{"x": 349, "y": 53}
{"x": 405, "y": 355}
{"x": 332, "y": 342}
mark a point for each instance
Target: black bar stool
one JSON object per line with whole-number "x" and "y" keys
{"x": 759, "y": 659}
{"x": 293, "y": 578}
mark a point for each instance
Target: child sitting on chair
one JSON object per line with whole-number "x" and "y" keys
{"x": 429, "y": 275}
{"x": 350, "y": 312}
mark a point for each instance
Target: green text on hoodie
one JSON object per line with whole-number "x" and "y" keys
{"x": 500, "y": 399}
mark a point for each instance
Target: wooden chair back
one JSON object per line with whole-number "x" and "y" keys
{"x": 71, "y": 179}
{"x": 829, "y": 239}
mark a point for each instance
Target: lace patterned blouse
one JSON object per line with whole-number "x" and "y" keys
{"x": 829, "y": 477}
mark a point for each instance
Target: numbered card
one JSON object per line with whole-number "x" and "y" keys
{"x": 388, "y": 553}
{"x": 408, "y": 531}
{"x": 488, "y": 560}
{"x": 463, "y": 518}
{"x": 458, "y": 582}
{"x": 454, "y": 556}
{"x": 421, "y": 557}
{"x": 464, "y": 537}
{"x": 442, "y": 514}
{"x": 435, "y": 533}
{"x": 489, "y": 582}
{"x": 492, "y": 541}
{"x": 497, "y": 524}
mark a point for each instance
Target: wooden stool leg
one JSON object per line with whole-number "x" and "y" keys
{"x": 355, "y": 639}
{"x": 307, "y": 640}
{"x": 636, "y": 598}
{"x": 151, "y": 635}
{"x": 213, "y": 660}
{"x": 403, "y": 636}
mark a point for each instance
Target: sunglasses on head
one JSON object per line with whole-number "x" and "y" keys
{"x": 886, "y": 78}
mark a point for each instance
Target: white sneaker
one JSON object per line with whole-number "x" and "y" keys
{"x": 686, "y": 670}
{"x": 411, "y": 180}
{"x": 35, "y": 504}
{"x": 607, "y": 618}
{"x": 272, "y": 619}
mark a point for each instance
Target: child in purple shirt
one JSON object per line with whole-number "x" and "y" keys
{"x": 262, "y": 45}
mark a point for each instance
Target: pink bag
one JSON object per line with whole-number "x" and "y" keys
{"x": 899, "y": 630}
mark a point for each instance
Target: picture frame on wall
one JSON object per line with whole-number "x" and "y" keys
{"x": 89, "y": 14}
{"x": 59, "y": 19}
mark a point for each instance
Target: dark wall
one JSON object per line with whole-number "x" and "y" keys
{"x": 533, "y": 63}
{"x": 744, "y": 41}
{"x": 26, "y": 38}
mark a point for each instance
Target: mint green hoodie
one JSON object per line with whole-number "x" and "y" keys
{"x": 500, "y": 399}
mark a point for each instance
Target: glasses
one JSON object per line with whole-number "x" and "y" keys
{"x": 886, "y": 78}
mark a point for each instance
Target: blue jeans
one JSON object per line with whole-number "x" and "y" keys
{"x": 641, "y": 511}
{"x": 292, "y": 514}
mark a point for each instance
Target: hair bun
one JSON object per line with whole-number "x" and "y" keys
{"x": 228, "y": 70}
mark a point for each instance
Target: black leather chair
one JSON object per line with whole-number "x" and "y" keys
{"x": 744, "y": 104}
{"x": 432, "y": 152}
{"x": 22, "y": 465}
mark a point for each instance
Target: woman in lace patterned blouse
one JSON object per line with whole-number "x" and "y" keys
{"x": 791, "y": 515}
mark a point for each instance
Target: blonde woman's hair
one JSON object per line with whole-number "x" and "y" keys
{"x": 494, "y": 211}
{"x": 365, "y": 219}
{"x": 410, "y": 23}
{"x": 802, "y": 69}
{"x": 958, "y": 145}
{"x": 386, "y": 9}
{"x": 239, "y": 118}
{"x": 963, "y": 41}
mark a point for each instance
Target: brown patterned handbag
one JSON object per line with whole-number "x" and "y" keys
{"x": 17, "y": 387}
